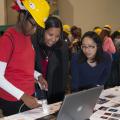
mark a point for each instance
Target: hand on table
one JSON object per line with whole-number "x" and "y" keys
{"x": 30, "y": 101}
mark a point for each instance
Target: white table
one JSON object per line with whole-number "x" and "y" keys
{"x": 34, "y": 113}
{"x": 110, "y": 109}
{"x": 38, "y": 112}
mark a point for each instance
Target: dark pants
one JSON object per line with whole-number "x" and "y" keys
{"x": 12, "y": 107}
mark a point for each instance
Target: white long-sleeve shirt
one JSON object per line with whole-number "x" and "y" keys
{"x": 7, "y": 86}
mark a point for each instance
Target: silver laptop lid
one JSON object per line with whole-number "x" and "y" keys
{"x": 79, "y": 105}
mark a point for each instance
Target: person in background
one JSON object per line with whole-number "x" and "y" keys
{"x": 91, "y": 66}
{"x": 107, "y": 42}
{"x": 75, "y": 39}
{"x": 116, "y": 40}
{"x": 97, "y": 29}
{"x": 66, "y": 32}
{"x": 17, "y": 58}
{"x": 52, "y": 58}
{"x": 114, "y": 79}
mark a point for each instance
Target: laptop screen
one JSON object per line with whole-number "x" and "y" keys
{"x": 77, "y": 106}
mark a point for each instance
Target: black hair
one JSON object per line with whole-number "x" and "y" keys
{"x": 114, "y": 35}
{"x": 95, "y": 37}
{"x": 51, "y": 22}
{"x": 76, "y": 32}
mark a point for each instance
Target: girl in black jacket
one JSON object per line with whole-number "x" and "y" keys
{"x": 51, "y": 58}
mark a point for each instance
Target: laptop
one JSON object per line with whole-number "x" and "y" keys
{"x": 77, "y": 106}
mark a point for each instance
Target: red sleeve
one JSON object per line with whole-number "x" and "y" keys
{"x": 6, "y": 48}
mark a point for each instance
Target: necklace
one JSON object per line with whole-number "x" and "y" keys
{"x": 46, "y": 55}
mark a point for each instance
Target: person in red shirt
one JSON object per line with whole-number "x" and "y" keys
{"x": 17, "y": 58}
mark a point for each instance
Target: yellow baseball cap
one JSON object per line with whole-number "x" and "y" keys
{"x": 66, "y": 28}
{"x": 39, "y": 9}
{"x": 98, "y": 30}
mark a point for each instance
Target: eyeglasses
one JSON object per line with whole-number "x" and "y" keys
{"x": 91, "y": 47}
{"x": 34, "y": 24}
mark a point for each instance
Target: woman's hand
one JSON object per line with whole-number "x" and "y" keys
{"x": 43, "y": 83}
{"x": 30, "y": 101}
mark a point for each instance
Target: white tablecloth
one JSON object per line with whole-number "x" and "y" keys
{"x": 110, "y": 110}
{"x": 34, "y": 113}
